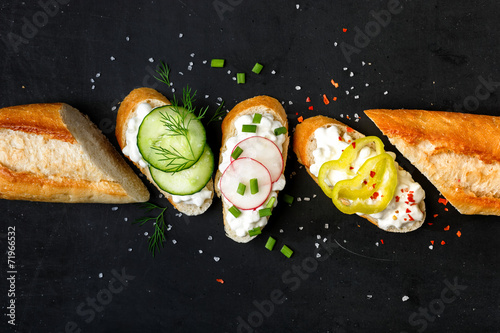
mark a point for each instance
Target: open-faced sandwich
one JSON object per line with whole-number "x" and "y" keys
{"x": 53, "y": 153}
{"x": 251, "y": 164}
{"x": 168, "y": 144}
{"x": 459, "y": 153}
{"x": 359, "y": 175}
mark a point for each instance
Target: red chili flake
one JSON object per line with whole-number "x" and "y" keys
{"x": 340, "y": 138}
{"x": 397, "y": 198}
{"x": 372, "y": 173}
{"x": 220, "y": 281}
{"x": 443, "y": 201}
{"x": 447, "y": 228}
{"x": 374, "y": 196}
{"x": 382, "y": 241}
{"x": 365, "y": 182}
{"x": 446, "y": 209}
{"x": 430, "y": 223}
{"x": 353, "y": 144}
{"x": 410, "y": 197}
{"x": 411, "y": 218}
{"x": 443, "y": 242}
{"x": 344, "y": 29}
{"x": 408, "y": 210}
{"x": 325, "y": 100}
{"x": 435, "y": 215}
{"x": 311, "y": 108}
{"x": 335, "y": 84}
{"x": 350, "y": 168}
{"x": 459, "y": 234}
{"x": 334, "y": 99}
{"x": 348, "y": 117}
{"x": 432, "y": 242}
{"x": 308, "y": 100}
{"x": 459, "y": 180}
{"x": 374, "y": 185}
{"x": 349, "y": 130}
{"x": 296, "y": 113}
{"x": 300, "y": 119}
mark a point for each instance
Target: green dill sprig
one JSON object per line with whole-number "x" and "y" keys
{"x": 164, "y": 71}
{"x": 155, "y": 242}
{"x": 219, "y": 113}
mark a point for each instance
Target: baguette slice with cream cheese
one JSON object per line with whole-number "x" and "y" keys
{"x": 272, "y": 112}
{"x": 126, "y": 113}
{"x": 459, "y": 153}
{"x": 305, "y": 147}
{"x": 53, "y": 153}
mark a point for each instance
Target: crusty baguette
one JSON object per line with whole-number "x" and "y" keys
{"x": 304, "y": 144}
{"x": 125, "y": 112}
{"x": 53, "y": 153}
{"x": 262, "y": 104}
{"x": 459, "y": 153}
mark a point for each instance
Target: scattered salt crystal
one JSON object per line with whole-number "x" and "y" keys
{"x": 113, "y": 108}
{"x": 125, "y": 219}
{"x": 345, "y": 68}
{"x": 100, "y": 275}
{"x": 92, "y": 80}
{"x": 174, "y": 241}
{"x": 356, "y": 97}
{"x": 129, "y": 249}
{"x": 181, "y": 73}
{"x": 290, "y": 103}
{"x": 204, "y": 62}
{"x": 273, "y": 72}
{"x": 192, "y": 55}
{"x": 317, "y": 245}
{"x": 335, "y": 44}
{"x": 327, "y": 225}
{"x": 216, "y": 259}
{"x": 206, "y": 96}
{"x": 93, "y": 87}
{"x": 369, "y": 296}
{"x": 297, "y": 88}
{"x": 307, "y": 199}
{"x": 405, "y": 298}
{"x": 351, "y": 74}
{"x": 281, "y": 231}
{"x": 318, "y": 255}
{"x": 300, "y": 228}
{"x": 376, "y": 243}
{"x": 318, "y": 236}
{"x": 367, "y": 84}
{"x": 210, "y": 238}
{"x": 200, "y": 251}
{"x": 112, "y": 58}
{"x": 114, "y": 208}
{"x": 297, "y": 6}
{"x": 386, "y": 92}
{"x": 98, "y": 75}
{"x": 347, "y": 92}
{"x": 431, "y": 247}
{"x": 229, "y": 71}
{"x": 146, "y": 233}
{"x": 363, "y": 63}
{"x": 180, "y": 35}
{"x": 299, "y": 199}
{"x": 151, "y": 60}
{"x": 169, "y": 227}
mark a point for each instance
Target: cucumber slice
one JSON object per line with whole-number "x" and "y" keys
{"x": 171, "y": 139}
{"x": 187, "y": 181}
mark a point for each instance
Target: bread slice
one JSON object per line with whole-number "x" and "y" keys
{"x": 304, "y": 143}
{"x": 258, "y": 104}
{"x": 459, "y": 153}
{"x": 53, "y": 153}
{"x": 125, "y": 112}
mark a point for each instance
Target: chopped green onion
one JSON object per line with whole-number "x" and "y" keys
{"x": 217, "y": 63}
{"x": 265, "y": 212}
{"x": 254, "y": 232}
{"x": 254, "y": 186}
{"x": 249, "y": 128}
{"x": 270, "y": 203}
{"x": 236, "y": 153}
{"x": 257, "y": 68}
{"x": 240, "y": 78}
{"x": 288, "y": 199}
{"x": 286, "y": 251}
{"x": 241, "y": 189}
{"x": 270, "y": 243}
{"x": 235, "y": 211}
{"x": 280, "y": 130}
{"x": 256, "y": 118}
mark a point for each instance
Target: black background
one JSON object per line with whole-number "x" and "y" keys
{"x": 431, "y": 54}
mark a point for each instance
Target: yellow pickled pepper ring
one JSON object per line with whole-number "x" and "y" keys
{"x": 371, "y": 189}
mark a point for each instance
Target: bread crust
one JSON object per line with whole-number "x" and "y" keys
{"x": 304, "y": 144}
{"x": 260, "y": 104}
{"x": 125, "y": 112}
{"x": 459, "y": 153}
{"x": 25, "y": 124}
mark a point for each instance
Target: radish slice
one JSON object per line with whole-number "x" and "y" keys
{"x": 241, "y": 171}
{"x": 264, "y": 151}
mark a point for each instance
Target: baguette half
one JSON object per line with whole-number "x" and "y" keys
{"x": 459, "y": 153}
{"x": 127, "y": 111}
{"x": 304, "y": 143}
{"x": 258, "y": 104}
{"x": 53, "y": 153}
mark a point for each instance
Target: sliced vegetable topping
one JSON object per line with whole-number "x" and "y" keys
{"x": 286, "y": 251}
{"x": 257, "y": 118}
{"x": 368, "y": 191}
{"x": 240, "y": 78}
{"x": 254, "y": 186}
{"x": 242, "y": 171}
{"x": 236, "y": 153}
{"x": 280, "y": 130}
{"x": 241, "y": 189}
{"x": 235, "y": 211}
{"x": 288, "y": 199}
{"x": 217, "y": 63}
{"x": 270, "y": 203}
{"x": 263, "y": 150}
{"x": 248, "y": 128}
{"x": 254, "y": 232}
{"x": 257, "y": 68}
{"x": 265, "y": 212}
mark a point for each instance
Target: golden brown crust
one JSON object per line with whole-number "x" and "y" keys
{"x": 304, "y": 143}
{"x": 42, "y": 119}
{"x": 459, "y": 153}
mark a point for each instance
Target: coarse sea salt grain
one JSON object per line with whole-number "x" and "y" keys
{"x": 174, "y": 241}
{"x": 216, "y": 259}
{"x": 112, "y": 58}
{"x": 100, "y": 275}
{"x": 298, "y": 87}
{"x": 405, "y": 298}
{"x": 151, "y": 60}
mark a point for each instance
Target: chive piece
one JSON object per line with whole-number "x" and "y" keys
{"x": 218, "y": 63}
{"x": 236, "y": 153}
{"x": 286, "y": 251}
{"x": 254, "y": 232}
{"x": 240, "y": 78}
{"x": 249, "y": 128}
{"x": 256, "y": 118}
{"x": 241, "y": 189}
{"x": 235, "y": 211}
{"x": 270, "y": 203}
{"x": 270, "y": 243}
{"x": 265, "y": 212}
{"x": 288, "y": 199}
{"x": 257, "y": 68}
{"x": 254, "y": 186}
{"x": 280, "y": 130}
